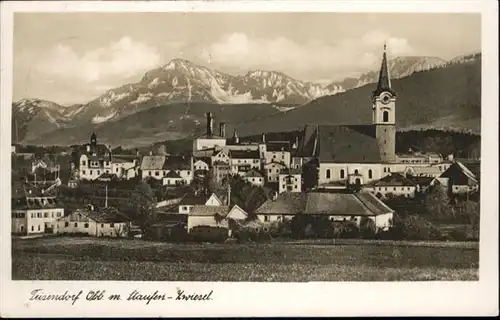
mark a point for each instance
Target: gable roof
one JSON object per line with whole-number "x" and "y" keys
{"x": 275, "y": 146}
{"x": 177, "y": 163}
{"x": 204, "y": 210}
{"x": 172, "y": 174}
{"x": 234, "y": 209}
{"x": 253, "y": 174}
{"x": 104, "y": 215}
{"x": 425, "y": 170}
{"x": 152, "y": 162}
{"x": 325, "y": 203}
{"x": 459, "y": 171}
{"x": 245, "y": 154}
{"x": 191, "y": 200}
{"x": 33, "y": 203}
{"x": 348, "y": 144}
{"x": 394, "y": 179}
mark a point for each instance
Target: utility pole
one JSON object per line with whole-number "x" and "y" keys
{"x": 106, "y": 201}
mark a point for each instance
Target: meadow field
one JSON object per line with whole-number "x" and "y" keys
{"x": 71, "y": 258}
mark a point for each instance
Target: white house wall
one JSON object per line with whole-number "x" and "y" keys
{"x": 335, "y": 170}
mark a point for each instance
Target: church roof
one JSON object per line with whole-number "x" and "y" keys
{"x": 384, "y": 79}
{"x": 348, "y": 144}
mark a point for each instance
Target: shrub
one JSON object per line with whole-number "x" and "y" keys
{"x": 367, "y": 228}
{"x": 209, "y": 234}
{"x": 412, "y": 227}
{"x": 457, "y": 235}
{"x": 347, "y": 229}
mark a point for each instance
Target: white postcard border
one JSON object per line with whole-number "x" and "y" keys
{"x": 273, "y": 299}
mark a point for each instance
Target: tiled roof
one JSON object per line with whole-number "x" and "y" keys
{"x": 422, "y": 181}
{"x": 394, "y": 179}
{"x": 152, "y": 162}
{"x": 278, "y": 146}
{"x": 177, "y": 163}
{"x": 285, "y": 203}
{"x": 191, "y": 200}
{"x": 426, "y": 170}
{"x": 253, "y": 174}
{"x": 348, "y": 144}
{"x": 105, "y": 215}
{"x": 325, "y": 203}
{"x": 203, "y": 210}
{"x": 172, "y": 174}
{"x": 123, "y": 158}
{"x": 245, "y": 154}
{"x": 32, "y": 203}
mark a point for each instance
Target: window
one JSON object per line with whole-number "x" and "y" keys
{"x": 38, "y": 227}
{"x": 116, "y": 169}
{"x": 328, "y": 173}
{"x": 270, "y": 170}
{"x": 84, "y": 162}
{"x": 189, "y": 172}
{"x": 45, "y": 214}
{"x": 394, "y": 189}
{"x": 157, "y": 173}
{"x": 32, "y": 215}
{"x": 253, "y": 179}
{"x": 66, "y": 224}
{"x": 385, "y": 189}
{"x": 83, "y": 172}
{"x": 98, "y": 172}
{"x": 385, "y": 116}
{"x": 76, "y": 224}
{"x": 86, "y": 225}
{"x": 39, "y": 214}
{"x": 388, "y": 169}
{"x": 107, "y": 171}
{"x": 59, "y": 214}
{"x": 370, "y": 174}
{"x": 296, "y": 187}
{"x": 266, "y": 218}
{"x": 111, "y": 225}
{"x": 52, "y": 214}
{"x": 32, "y": 228}
{"x": 342, "y": 174}
{"x": 102, "y": 225}
{"x": 356, "y": 171}
{"x": 90, "y": 172}
{"x": 385, "y": 169}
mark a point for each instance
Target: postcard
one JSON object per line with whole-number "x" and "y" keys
{"x": 249, "y": 158}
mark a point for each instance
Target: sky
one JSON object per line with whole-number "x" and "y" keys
{"x": 73, "y": 58}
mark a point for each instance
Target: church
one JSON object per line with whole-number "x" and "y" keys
{"x": 336, "y": 156}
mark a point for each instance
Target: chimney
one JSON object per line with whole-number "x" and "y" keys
{"x": 136, "y": 152}
{"x": 275, "y": 196}
{"x": 263, "y": 138}
{"x": 296, "y": 144}
{"x": 236, "y": 139}
{"x": 222, "y": 129}
{"x": 88, "y": 148}
{"x": 151, "y": 152}
{"x": 91, "y": 207}
{"x": 210, "y": 124}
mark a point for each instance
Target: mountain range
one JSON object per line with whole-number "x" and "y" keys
{"x": 170, "y": 102}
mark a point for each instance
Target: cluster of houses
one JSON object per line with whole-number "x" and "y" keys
{"x": 342, "y": 172}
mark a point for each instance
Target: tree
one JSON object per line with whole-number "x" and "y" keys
{"x": 143, "y": 204}
{"x": 437, "y": 204}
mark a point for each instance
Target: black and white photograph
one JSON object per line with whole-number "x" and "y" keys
{"x": 247, "y": 147}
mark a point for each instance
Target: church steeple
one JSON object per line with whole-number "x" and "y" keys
{"x": 93, "y": 139}
{"x": 384, "y": 78}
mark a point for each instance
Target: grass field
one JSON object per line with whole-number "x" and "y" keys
{"x": 112, "y": 259}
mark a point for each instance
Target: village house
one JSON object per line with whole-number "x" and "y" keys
{"x": 202, "y": 164}
{"x": 188, "y": 201}
{"x": 32, "y": 214}
{"x": 290, "y": 180}
{"x": 221, "y": 171}
{"x": 104, "y": 222}
{"x": 335, "y": 206}
{"x": 272, "y": 171}
{"x": 172, "y": 178}
{"x": 93, "y": 159}
{"x": 243, "y": 161}
{"x": 215, "y": 216}
{"x": 254, "y": 177}
{"x": 207, "y": 215}
{"x": 459, "y": 179}
{"x": 393, "y": 185}
{"x": 124, "y": 166}
{"x": 278, "y": 151}
{"x": 221, "y": 155}
{"x": 157, "y": 167}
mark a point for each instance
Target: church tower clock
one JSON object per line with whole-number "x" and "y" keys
{"x": 384, "y": 113}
